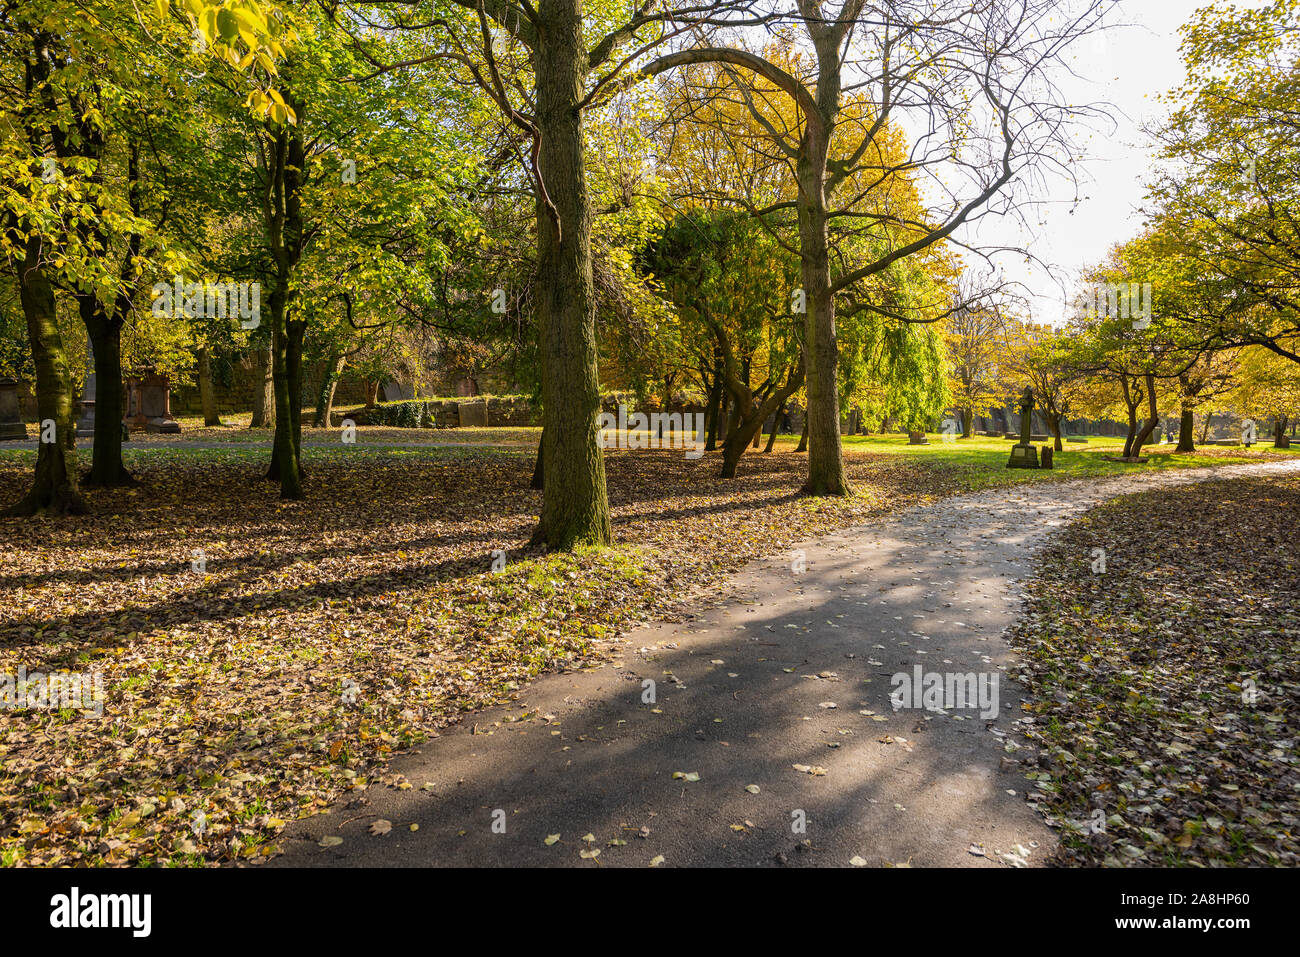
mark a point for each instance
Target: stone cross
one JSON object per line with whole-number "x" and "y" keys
{"x": 1024, "y": 455}
{"x": 1026, "y": 415}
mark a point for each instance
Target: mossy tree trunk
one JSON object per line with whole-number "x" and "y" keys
{"x": 286, "y": 172}
{"x": 575, "y": 503}
{"x": 54, "y": 487}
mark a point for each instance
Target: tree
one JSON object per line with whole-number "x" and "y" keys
{"x": 544, "y": 65}
{"x": 358, "y": 190}
{"x": 718, "y": 269}
{"x": 935, "y": 61}
{"x": 1268, "y": 387}
{"x": 73, "y": 82}
{"x": 973, "y": 338}
{"x": 29, "y": 47}
{"x": 1040, "y": 356}
{"x": 1228, "y": 198}
{"x": 1141, "y": 353}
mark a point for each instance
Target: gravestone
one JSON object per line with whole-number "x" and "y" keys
{"x": 1024, "y": 455}
{"x": 86, "y": 423}
{"x": 1048, "y": 451}
{"x": 11, "y": 420}
{"x": 148, "y": 404}
{"x": 473, "y": 414}
{"x": 917, "y": 438}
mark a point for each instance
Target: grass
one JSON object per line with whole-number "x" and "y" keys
{"x": 986, "y": 458}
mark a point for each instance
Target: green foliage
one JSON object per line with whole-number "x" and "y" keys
{"x": 407, "y": 414}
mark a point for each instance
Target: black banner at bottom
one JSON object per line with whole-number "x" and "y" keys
{"x": 152, "y": 908}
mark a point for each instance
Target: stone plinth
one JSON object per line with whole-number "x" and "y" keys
{"x": 1023, "y": 457}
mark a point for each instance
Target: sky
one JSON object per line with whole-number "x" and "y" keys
{"x": 1129, "y": 65}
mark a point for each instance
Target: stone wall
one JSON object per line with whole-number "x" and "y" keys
{"x": 237, "y": 394}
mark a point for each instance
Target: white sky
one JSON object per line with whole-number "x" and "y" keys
{"x": 1130, "y": 66}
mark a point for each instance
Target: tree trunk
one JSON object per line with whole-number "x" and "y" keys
{"x": 264, "y": 392}
{"x": 967, "y": 423}
{"x": 803, "y": 437}
{"x": 286, "y": 452}
{"x": 739, "y": 436}
{"x": 1279, "y": 430}
{"x": 1186, "y": 429}
{"x": 1205, "y": 427}
{"x": 1153, "y": 418}
{"x": 575, "y": 504}
{"x": 776, "y": 427}
{"x": 106, "y": 466}
{"x": 54, "y": 486}
{"x": 826, "y": 475}
{"x": 291, "y": 485}
{"x": 539, "y": 473}
{"x": 1131, "y": 403}
{"x": 1054, "y": 424}
{"x": 713, "y": 406}
{"x": 284, "y": 233}
{"x": 733, "y": 447}
{"x": 746, "y": 429}
{"x": 279, "y": 392}
{"x": 325, "y": 403}
{"x": 207, "y": 393}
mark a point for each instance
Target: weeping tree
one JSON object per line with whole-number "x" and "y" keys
{"x": 727, "y": 278}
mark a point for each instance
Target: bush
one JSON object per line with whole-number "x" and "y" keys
{"x": 407, "y": 414}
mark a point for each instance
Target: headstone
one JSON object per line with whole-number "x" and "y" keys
{"x": 473, "y": 414}
{"x": 133, "y": 418}
{"x": 148, "y": 404}
{"x": 917, "y": 438}
{"x": 86, "y": 422}
{"x": 1024, "y": 455}
{"x": 1047, "y": 457}
{"x": 11, "y": 419}
{"x": 157, "y": 404}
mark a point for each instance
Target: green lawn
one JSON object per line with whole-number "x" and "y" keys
{"x": 978, "y": 462}
{"x": 986, "y": 458}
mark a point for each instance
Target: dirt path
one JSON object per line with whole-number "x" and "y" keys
{"x": 743, "y": 692}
